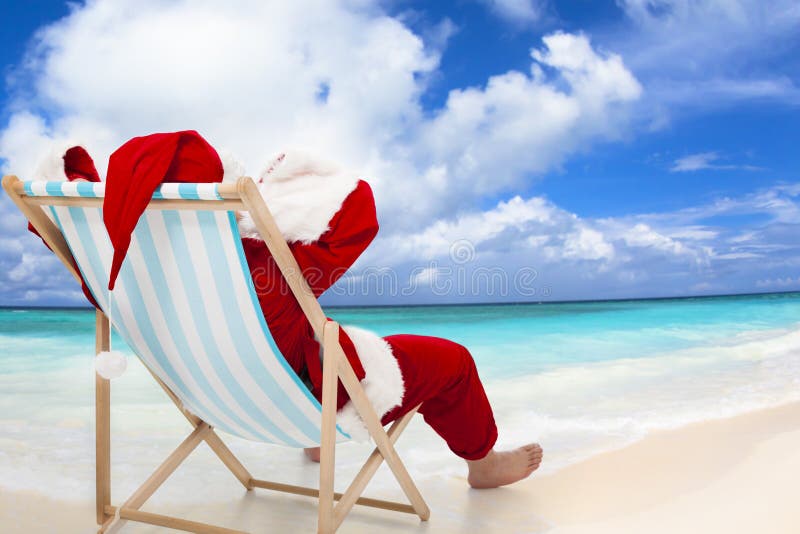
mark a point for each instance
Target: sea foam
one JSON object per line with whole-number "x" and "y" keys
{"x": 575, "y": 407}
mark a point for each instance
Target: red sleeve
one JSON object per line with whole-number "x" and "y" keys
{"x": 351, "y": 231}
{"x": 77, "y": 165}
{"x": 322, "y": 262}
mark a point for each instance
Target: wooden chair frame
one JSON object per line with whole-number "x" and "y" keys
{"x": 241, "y": 196}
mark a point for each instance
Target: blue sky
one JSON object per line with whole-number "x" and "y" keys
{"x": 618, "y": 149}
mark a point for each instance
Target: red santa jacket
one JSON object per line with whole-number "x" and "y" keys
{"x": 322, "y": 262}
{"x": 328, "y": 218}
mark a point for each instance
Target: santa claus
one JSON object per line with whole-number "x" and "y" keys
{"x": 328, "y": 218}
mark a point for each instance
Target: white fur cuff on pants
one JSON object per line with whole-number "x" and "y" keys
{"x": 383, "y": 381}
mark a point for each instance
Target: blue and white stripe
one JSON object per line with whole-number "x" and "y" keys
{"x": 185, "y": 303}
{"x": 192, "y": 191}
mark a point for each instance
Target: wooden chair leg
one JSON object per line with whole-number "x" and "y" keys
{"x": 330, "y": 516}
{"x": 328, "y": 439}
{"x": 368, "y": 470}
{"x": 364, "y": 408}
{"x": 102, "y": 390}
{"x": 161, "y": 474}
{"x": 174, "y": 523}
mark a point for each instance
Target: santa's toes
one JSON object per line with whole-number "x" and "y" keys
{"x": 534, "y": 457}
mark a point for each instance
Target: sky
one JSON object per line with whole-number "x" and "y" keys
{"x": 519, "y": 150}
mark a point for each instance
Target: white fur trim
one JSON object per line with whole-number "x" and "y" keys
{"x": 303, "y": 193}
{"x": 110, "y": 364}
{"x": 232, "y": 168}
{"x": 51, "y": 164}
{"x": 382, "y": 383}
{"x": 295, "y": 163}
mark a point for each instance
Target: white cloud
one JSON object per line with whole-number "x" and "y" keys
{"x": 674, "y": 248}
{"x": 491, "y": 139}
{"x": 346, "y": 80}
{"x": 518, "y": 11}
{"x": 425, "y": 276}
{"x": 35, "y": 296}
{"x": 778, "y": 283}
{"x": 472, "y": 229}
{"x": 702, "y": 286}
{"x": 721, "y": 90}
{"x": 24, "y": 269}
{"x": 697, "y": 56}
{"x": 778, "y": 203}
{"x": 589, "y": 244}
{"x": 706, "y": 160}
{"x": 643, "y": 236}
{"x": 694, "y": 233}
{"x": 737, "y": 256}
{"x": 711, "y": 31}
{"x": 340, "y": 78}
{"x": 537, "y": 230}
{"x": 669, "y": 253}
{"x": 247, "y": 74}
{"x": 694, "y": 162}
{"x": 254, "y": 85}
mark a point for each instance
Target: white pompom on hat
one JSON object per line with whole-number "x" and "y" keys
{"x": 110, "y": 364}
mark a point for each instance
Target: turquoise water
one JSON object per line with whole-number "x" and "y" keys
{"x": 507, "y": 340}
{"x": 579, "y": 377}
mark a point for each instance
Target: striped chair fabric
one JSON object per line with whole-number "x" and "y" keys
{"x": 185, "y": 303}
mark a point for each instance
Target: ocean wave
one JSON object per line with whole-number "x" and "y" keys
{"x": 575, "y": 410}
{"x": 579, "y": 410}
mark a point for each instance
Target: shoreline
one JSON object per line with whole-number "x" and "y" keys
{"x": 732, "y": 475}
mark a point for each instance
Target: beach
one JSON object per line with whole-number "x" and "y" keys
{"x": 526, "y": 234}
{"x": 676, "y": 415}
{"x": 734, "y": 475}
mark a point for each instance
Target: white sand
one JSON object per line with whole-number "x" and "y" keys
{"x": 735, "y": 475}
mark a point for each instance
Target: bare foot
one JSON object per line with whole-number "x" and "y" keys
{"x": 312, "y": 454}
{"x": 502, "y": 468}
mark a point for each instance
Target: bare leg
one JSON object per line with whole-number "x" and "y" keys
{"x": 312, "y": 454}
{"x": 502, "y": 468}
{"x": 493, "y": 470}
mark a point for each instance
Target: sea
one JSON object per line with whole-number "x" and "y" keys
{"x": 580, "y": 378}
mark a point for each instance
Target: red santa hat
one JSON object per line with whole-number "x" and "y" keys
{"x": 69, "y": 161}
{"x": 138, "y": 167}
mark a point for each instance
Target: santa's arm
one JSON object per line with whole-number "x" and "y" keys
{"x": 351, "y": 230}
{"x": 326, "y": 259}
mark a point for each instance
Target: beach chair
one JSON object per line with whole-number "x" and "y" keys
{"x": 185, "y": 303}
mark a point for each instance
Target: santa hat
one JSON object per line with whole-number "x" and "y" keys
{"x": 69, "y": 161}
{"x": 138, "y": 167}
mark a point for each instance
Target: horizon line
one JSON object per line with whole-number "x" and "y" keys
{"x": 488, "y": 303}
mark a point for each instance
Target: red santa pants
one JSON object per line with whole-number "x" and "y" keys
{"x": 441, "y": 375}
